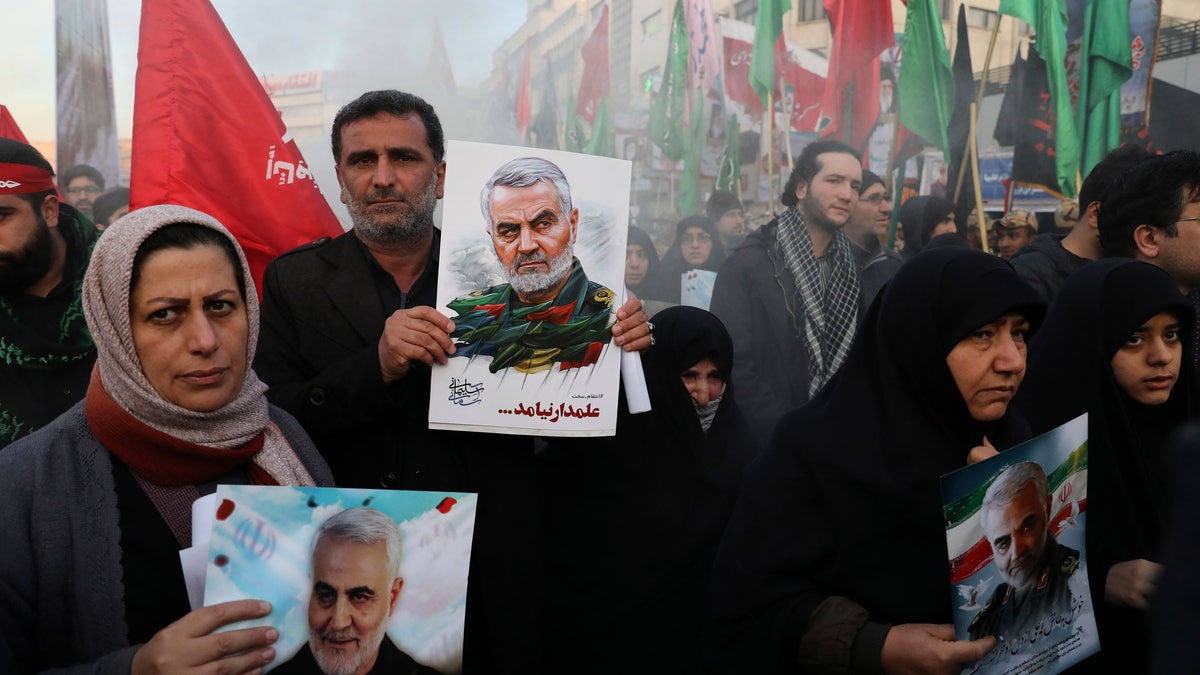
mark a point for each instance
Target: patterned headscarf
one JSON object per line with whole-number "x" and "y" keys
{"x": 106, "y": 306}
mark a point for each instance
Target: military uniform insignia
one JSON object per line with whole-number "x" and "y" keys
{"x": 603, "y": 297}
{"x": 537, "y": 361}
{"x": 1044, "y": 579}
{"x": 979, "y": 616}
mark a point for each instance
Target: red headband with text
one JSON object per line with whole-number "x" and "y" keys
{"x": 23, "y": 179}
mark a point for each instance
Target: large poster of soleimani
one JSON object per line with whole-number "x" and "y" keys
{"x": 531, "y": 266}
{"x": 1015, "y": 528}
{"x": 358, "y": 580}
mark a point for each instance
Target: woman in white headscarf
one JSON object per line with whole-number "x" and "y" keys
{"x": 97, "y": 504}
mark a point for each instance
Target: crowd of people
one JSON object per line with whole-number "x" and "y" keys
{"x": 777, "y": 510}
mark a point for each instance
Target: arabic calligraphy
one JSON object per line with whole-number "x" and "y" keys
{"x": 552, "y": 413}
{"x": 464, "y": 393}
{"x": 1052, "y": 624}
{"x": 288, "y": 172}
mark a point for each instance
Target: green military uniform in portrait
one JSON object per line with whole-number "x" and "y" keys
{"x": 1009, "y": 613}
{"x": 570, "y": 330}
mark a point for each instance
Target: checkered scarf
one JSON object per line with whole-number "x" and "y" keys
{"x": 828, "y": 302}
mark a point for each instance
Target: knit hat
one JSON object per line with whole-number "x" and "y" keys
{"x": 721, "y": 202}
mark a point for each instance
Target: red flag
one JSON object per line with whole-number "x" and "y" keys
{"x": 594, "y": 85}
{"x": 438, "y": 70}
{"x": 806, "y": 88}
{"x": 524, "y": 107}
{"x": 206, "y": 135}
{"x": 862, "y": 29}
{"x": 737, "y": 74}
{"x": 9, "y": 128}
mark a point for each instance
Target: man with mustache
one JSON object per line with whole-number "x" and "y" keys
{"x": 1035, "y": 568}
{"x": 47, "y": 353}
{"x": 548, "y": 312}
{"x": 348, "y": 337}
{"x": 790, "y": 294}
{"x": 356, "y": 583}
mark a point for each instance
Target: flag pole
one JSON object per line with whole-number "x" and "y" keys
{"x": 987, "y": 65}
{"x": 888, "y": 183}
{"x": 770, "y": 150}
{"x": 974, "y": 159}
{"x": 897, "y": 199}
{"x": 787, "y": 116}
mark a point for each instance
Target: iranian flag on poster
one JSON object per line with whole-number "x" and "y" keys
{"x": 1015, "y": 528}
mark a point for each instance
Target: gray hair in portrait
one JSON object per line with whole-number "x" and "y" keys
{"x": 364, "y": 525}
{"x": 524, "y": 172}
{"x": 1009, "y": 484}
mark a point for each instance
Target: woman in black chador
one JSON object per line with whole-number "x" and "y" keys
{"x": 1114, "y": 346}
{"x": 835, "y": 556}
{"x": 632, "y": 522}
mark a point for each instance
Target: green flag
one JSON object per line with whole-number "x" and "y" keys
{"x": 665, "y": 127}
{"x": 573, "y": 137}
{"x": 1106, "y": 62}
{"x": 1049, "y": 21}
{"x": 688, "y": 198}
{"x": 601, "y": 141}
{"x": 729, "y": 173}
{"x": 926, "y": 83}
{"x": 768, "y": 24}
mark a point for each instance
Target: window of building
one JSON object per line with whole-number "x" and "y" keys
{"x": 652, "y": 24}
{"x": 984, "y": 18}
{"x": 743, "y": 10}
{"x": 809, "y": 10}
{"x": 944, "y": 9}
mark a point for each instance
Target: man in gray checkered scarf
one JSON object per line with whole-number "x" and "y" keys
{"x": 790, "y": 294}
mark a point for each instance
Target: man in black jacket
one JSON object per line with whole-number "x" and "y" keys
{"x": 348, "y": 335}
{"x": 1051, "y": 258}
{"x": 47, "y": 353}
{"x": 790, "y": 294}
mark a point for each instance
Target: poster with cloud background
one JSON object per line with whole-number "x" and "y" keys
{"x": 261, "y": 548}
{"x": 539, "y": 366}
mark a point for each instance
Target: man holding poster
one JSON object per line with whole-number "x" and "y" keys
{"x": 548, "y": 311}
{"x": 349, "y": 334}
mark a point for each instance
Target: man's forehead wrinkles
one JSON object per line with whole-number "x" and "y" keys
{"x": 516, "y": 215}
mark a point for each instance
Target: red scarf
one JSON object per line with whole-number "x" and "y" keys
{"x": 158, "y": 457}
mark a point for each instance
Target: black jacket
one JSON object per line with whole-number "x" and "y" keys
{"x": 755, "y": 298}
{"x": 1045, "y": 264}
{"x": 322, "y": 316}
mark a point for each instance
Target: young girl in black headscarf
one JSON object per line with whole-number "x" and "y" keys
{"x": 643, "y": 271}
{"x": 1113, "y": 346}
{"x": 632, "y": 522}
{"x": 835, "y": 556}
